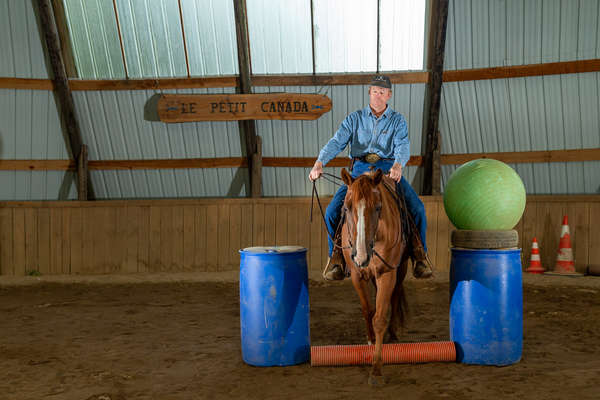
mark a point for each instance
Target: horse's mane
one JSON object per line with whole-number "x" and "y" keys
{"x": 390, "y": 230}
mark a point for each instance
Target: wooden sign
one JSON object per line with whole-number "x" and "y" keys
{"x": 233, "y": 107}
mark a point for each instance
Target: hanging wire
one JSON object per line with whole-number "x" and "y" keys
{"x": 120, "y": 39}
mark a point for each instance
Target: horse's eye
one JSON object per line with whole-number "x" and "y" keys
{"x": 378, "y": 208}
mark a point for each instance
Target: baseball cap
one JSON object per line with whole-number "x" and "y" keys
{"x": 381, "y": 81}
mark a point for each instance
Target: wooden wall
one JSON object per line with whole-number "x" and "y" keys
{"x": 205, "y": 235}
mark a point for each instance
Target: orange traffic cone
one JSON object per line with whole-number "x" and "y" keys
{"x": 564, "y": 259}
{"x": 535, "y": 264}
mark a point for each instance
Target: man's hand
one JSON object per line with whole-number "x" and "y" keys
{"x": 395, "y": 172}
{"x": 316, "y": 171}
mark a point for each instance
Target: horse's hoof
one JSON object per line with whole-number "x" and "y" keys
{"x": 376, "y": 380}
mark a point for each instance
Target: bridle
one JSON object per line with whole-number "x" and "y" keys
{"x": 351, "y": 245}
{"x": 349, "y": 218}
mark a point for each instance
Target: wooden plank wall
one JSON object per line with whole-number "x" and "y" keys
{"x": 205, "y": 235}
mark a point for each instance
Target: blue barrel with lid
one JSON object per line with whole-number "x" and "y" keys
{"x": 274, "y": 308}
{"x": 486, "y": 306}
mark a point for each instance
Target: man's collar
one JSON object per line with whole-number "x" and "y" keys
{"x": 386, "y": 113}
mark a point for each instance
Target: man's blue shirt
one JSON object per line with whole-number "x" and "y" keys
{"x": 387, "y": 136}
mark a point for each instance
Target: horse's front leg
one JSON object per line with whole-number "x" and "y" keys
{"x": 362, "y": 289}
{"x": 385, "y": 287}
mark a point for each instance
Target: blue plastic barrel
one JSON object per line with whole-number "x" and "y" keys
{"x": 486, "y": 306}
{"x": 274, "y": 311}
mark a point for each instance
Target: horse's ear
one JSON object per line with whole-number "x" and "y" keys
{"x": 377, "y": 177}
{"x": 346, "y": 177}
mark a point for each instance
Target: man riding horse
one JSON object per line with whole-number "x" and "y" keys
{"x": 378, "y": 138}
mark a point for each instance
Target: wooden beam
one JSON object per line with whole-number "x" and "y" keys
{"x": 163, "y": 83}
{"x": 36, "y": 165}
{"x": 28, "y": 84}
{"x": 66, "y": 47}
{"x": 336, "y": 79}
{"x": 522, "y": 157}
{"x": 308, "y": 162}
{"x": 547, "y": 156}
{"x": 519, "y": 71}
{"x": 225, "y": 162}
{"x": 82, "y": 174}
{"x": 61, "y": 83}
{"x": 247, "y": 127}
{"x": 437, "y": 35}
{"x": 568, "y": 67}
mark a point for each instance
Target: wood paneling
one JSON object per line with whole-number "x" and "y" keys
{"x": 19, "y": 249}
{"x": 201, "y": 234}
{"x": 31, "y": 239}
{"x": 206, "y": 234}
{"x": 189, "y": 237}
{"x": 212, "y": 225}
{"x": 594, "y": 248}
{"x": 6, "y": 241}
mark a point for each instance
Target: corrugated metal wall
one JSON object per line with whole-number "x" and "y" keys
{"x": 29, "y": 124}
{"x": 522, "y": 114}
{"x": 114, "y": 127}
{"x": 538, "y": 113}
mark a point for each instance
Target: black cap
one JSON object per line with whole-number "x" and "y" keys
{"x": 381, "y": 81}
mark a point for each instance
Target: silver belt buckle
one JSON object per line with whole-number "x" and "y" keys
{"x": 372, "y": 158}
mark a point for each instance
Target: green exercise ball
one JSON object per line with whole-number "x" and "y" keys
{"x": 484, "y": 194}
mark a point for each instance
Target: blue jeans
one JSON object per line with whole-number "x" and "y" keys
{"x": 413, "y": 202}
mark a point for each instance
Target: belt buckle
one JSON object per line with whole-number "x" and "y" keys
{"x": 372, "y": 158}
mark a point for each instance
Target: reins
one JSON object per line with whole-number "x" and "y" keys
{"x": 405, "y": 224}
{"x": 312, "y": 202}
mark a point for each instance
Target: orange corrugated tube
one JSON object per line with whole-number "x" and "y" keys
{"x": 396, "y": 353}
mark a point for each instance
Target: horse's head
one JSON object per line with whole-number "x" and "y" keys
{"x": 362, "y": 207}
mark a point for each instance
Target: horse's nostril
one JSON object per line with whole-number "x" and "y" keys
{"x": 366, "y": 262}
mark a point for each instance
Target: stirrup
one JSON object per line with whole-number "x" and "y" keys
{"x": 333, "y": 272}
{"x": 423, "y": 268}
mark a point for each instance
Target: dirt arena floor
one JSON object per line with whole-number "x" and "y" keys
{"x": 178, "y": 337}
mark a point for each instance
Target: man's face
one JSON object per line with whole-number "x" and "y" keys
{"x": 378, "y": 97}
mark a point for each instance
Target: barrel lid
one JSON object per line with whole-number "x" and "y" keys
{"x": 273, "y": 249}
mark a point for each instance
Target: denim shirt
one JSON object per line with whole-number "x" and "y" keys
{"x": 387, "y": 136}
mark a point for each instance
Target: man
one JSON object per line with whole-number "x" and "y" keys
{"x": 378, "y": 138}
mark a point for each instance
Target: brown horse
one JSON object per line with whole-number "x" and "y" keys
{"x": 374, "y": 246}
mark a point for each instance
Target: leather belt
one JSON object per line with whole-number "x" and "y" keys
{"x": 371, "y": 158}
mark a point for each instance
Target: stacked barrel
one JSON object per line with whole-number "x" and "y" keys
{"x": 485, "y": 199}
